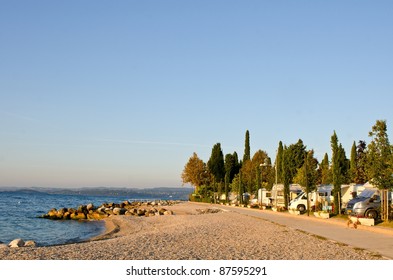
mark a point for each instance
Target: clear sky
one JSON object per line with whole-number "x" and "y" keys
{"x": 121, "y": 93}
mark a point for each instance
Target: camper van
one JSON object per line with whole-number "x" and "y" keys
{"x": 264, "y": 197}
{"x": 277, "y": 194}
{"x": 367, "y": 204}
{"x": 349, "y": 192}
{"x": 322, "y": 196}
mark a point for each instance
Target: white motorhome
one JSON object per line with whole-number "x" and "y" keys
{"x": 322, "y": 196}
{"x": 264, "y": 197}
{"x": 277, "y": 194}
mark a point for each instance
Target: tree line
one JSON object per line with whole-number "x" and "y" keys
{"x": 294, "y": 163}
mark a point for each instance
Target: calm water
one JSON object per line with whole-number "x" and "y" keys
{"x": 19, "y": 212}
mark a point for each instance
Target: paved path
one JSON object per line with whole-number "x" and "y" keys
{"x": 375, "y": 239}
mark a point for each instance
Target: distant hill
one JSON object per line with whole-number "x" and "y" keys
{"x": 132, "y": 193}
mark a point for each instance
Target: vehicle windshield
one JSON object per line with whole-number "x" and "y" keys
{"x": 367, "y": 193}
{"x": 299, "y": 195}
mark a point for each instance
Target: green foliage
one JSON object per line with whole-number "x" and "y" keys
{"x": 379, "y": 157}
{"x": 340, "y": 167}
{"x": 287, "y": 177}
{"x": 324, "y": 171}
{"x": 252, "y": 171}
{"x": 353, "y": 163}
{"x": 307, "y": 175}
{"x": 278, "y": 164}
{"x": 247, "y": 152}
{"x": 194, "y": 172}
{"x": 216, "y": 163}
{"x": 234, "y": 186}
{"x": 292, "y": 160}
{"x": 361, "y": 163}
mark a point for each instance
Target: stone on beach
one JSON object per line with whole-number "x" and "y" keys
{"x": 30, "y": 243}
{"x": 16, "y": 243}
{"x": 119, "y": 211}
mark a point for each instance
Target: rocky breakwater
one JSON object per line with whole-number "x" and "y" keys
{"x": 91, "y": 212}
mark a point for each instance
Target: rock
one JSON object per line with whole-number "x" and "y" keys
{"x": 16, "y": 243}
{"x": 52, "y": 214}
{"x": 78, "y": 216}
{"x": 82, "y": 209}
{"x": 119, "y": 211}
{"x": 66, "y": 216}
{"x": 89, "y": 206}
{"x": 96, "y": 216}
{"x": 30, "y": 243}
{"x": 168, "y": 212}
{"x": 141, "y": 212}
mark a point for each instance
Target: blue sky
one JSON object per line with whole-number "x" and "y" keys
{"x": 121, "y": 93}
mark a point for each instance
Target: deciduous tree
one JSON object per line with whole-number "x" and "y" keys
{"x": 193, "y": 172}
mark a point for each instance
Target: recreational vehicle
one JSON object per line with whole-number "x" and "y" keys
{"x": 367, "y": 204}
{"x": 277, "y": 194}
{"x": 264, "y": 197}
{"x": 323, "y": 196}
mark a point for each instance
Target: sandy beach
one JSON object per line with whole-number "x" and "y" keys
{"x": 195, "y": 232}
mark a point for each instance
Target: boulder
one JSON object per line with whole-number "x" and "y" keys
{"x": 52, "y": 214}
{"x": 82, "y": 209}
{"x": 168, "y": 212}
{"x": 30, "y": 243}
{"x": 96, "y": 216}
{"x": 16, "y": 243}
{"x": 89, "y": 207}
{"x": 128, "y": 213}
{"x": 119, "y": 211}
{"x": 141, "y": 212}
{"x": 66, "y": 216}
{"x": 78, "y": 216}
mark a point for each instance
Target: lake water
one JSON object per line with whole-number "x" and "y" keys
{"x": 19, "y": 212}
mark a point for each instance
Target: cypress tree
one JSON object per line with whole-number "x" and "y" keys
{"x": 361, "y": 162}
{"x": 287, "y": 177}
{"x": 353, "y": 163}
{"x": 325, "y": 172}
{"x": 340, "y": 166}
{"x": 216, "y": 164}
{"x": 279, "y": 158}
{"x": 247, "y": 153}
